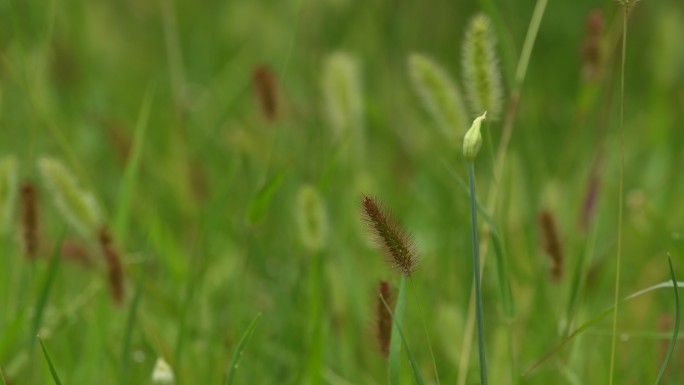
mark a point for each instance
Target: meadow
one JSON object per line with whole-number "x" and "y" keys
{"x": 188, "y": 187}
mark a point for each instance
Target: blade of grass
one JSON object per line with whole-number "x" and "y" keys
{"x": 394, "y": 357}
{"x": 130, "y": 322}
{"x": 45, "y": 291}
{"x": 425, "y": 329}
{"x": 259, "y": 205}
{"x": 675, "y": 331}
{"x": 53, "y": 371}
{"x": 237, "y": 354}
{"x": 396, "y": 326}
{"x": 581, "y": 329}
{"x": 130, "y": 176}
{"x": 2, "y": 378}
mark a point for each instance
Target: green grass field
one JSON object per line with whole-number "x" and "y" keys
{"x": 221, "y": 151}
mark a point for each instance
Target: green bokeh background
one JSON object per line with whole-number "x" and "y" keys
{"x": 74, "y": 77}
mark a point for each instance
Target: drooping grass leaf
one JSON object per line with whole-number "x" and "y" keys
{"x": 581, "y": 329}
{"x": 53, "y": 371}
{"x": 675, "y": 330}
{"x": 237, "y": 354}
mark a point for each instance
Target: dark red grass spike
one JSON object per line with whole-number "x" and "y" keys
{"x": 265, "y": 86}
{"x": 384, "y": 317}
{"x": 114, "y": 269}
{"x": 29, "y": 219}
{"x": 551, "y": 243}
{"x": 395, "y": 241}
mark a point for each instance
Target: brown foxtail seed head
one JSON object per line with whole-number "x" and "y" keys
{"x": 551, "y": 243}
{"x": 394, "y": 240}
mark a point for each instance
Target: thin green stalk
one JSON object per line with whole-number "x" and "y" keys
{"x": 237, "y": 353}
{"x": 675, "y": 331}
{"x": 316, "y": 319}
{"x": 53, "y": 371}
{"x": 394, "y": 359}
{"x": 620, "y": 194}
{"x": 476, "y": 274}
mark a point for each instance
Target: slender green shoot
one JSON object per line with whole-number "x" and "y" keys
{"x": 476, "y": 275}
{"x": 394, "y": 358}
{"x": 130, "y": 323}
{"x": 397, "y": 327}
{"x": 53, "y": 371}
{"x": 237, "y": 354}
{"x": 41, "y": 304}
{"x": 132, "y": 170}
{"x": 675, "y": 330}
{"x": 625, "y": 14}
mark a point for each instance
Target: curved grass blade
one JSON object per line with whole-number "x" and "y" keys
{"x": 2, "y": 378}
{"x": 394, "y": 357}
{"x": 53, "y": 372}
{"x": 45, "y": 291}
{"x": 595, "y": 320}
{"x": 666, "y": 361}
{"x": 397, "y": 327}
{"x": 237, "y": 354}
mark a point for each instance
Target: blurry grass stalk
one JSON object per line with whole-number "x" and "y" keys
{"x": 492, "y": 197}
{"x": 394, "y": 359}
{"x": 471, "y": 146}
{"x": 626, "y": 6}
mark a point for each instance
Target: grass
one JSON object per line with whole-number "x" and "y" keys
{"x": 152, "y": 107}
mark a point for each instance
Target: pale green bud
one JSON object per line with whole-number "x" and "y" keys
{"x": 78, "y": 207}
{"x": 473, "y": 138}
{"x": 162, "y": 374}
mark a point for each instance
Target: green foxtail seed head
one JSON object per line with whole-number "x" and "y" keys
{"x": 78, "y": 207}
{"x": 473, "y": 138}
{"x": 481, "y": 73}
{"x": 439, "y": 94}
{"x": 162, "y": 374}
{"x": 628, "y": 3}
{"x": 8, "y": 190}
{"x": 342, "y": 94}
{"x": 312, "y": 219}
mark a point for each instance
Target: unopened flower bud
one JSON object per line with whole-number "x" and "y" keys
{"x": 473, "y": 138}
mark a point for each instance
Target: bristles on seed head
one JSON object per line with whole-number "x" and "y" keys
{"x": 481, "y": 72}
{"x": 115, "y": 276}
{"x": 342, "y": 94}
{"x": 439, "y": 94}
{"x": 551, "y": 243}
{"x": 265, "y": 87}
{"x": 395, "y": 241}
{"x": 29, "y": 220}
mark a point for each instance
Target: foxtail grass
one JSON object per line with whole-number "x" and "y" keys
{"x": 439, "y": 95}
{"x": 30, "y": 238}
{"x": 266, "y": 93}
{"x": 481, "y": 72}
{"x": 551, "y": 244}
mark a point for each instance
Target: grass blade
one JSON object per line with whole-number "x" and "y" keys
{"x": 130, "y": 322}
{"x": 596, "y": 319}
{"x": 45, "y": 291}
{"x": 237, "y": 354}
{"x": 394, "y": 358}
{"x": 396, "y": 326}
{"x": 675, "y": 331}
{"x": 2, "y": 378}
{"x": 53, "y": 372}
{"x": 132, "y": 170}
{"x": 260, "y": 203}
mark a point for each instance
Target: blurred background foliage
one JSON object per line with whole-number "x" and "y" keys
{"x": 74, "y": 77}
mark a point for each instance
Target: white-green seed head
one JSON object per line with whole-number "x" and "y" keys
{"x": 312, "y": 219}
{"x": 628, "y": 3}
{"x": 78, "y": 207}
{"x": 162, "y": 374}
{"x": 473, "y": 138}
{"x": 8, "y": 190}
{"x": 342, "y": 94}
{"x": 481, "y": 72}
{"x": 439, "y": 94}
